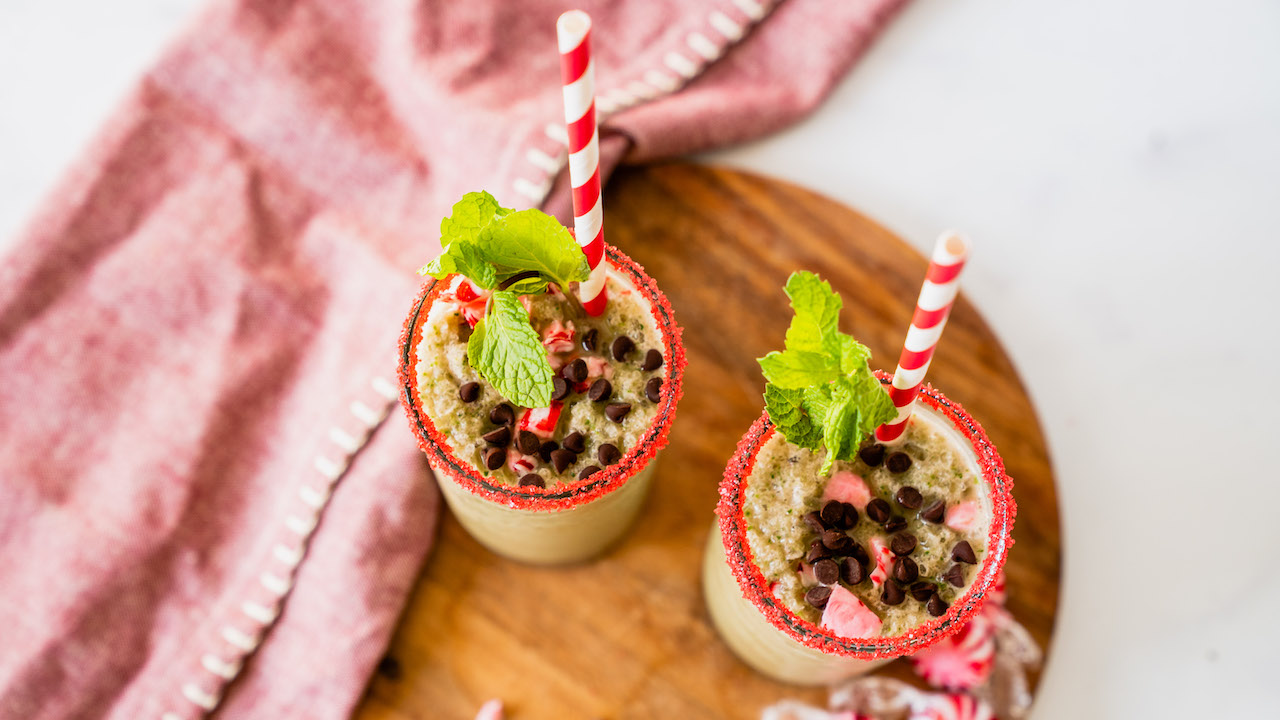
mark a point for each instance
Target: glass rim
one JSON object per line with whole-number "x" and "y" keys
{"x": 755, "y": 587}
{"x": 567, "y": 495}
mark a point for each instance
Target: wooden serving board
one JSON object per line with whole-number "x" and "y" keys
{"x": 627, "y": 636}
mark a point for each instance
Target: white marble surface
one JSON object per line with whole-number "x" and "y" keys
{"x": 1116, "y": 164}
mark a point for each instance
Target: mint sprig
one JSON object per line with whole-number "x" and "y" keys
{"x": 491, "y": 245}
{"x": 821, "y": 391}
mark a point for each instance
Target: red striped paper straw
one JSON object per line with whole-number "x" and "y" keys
{"x": 932, "y": 308}
{"x": 577, "y": 71}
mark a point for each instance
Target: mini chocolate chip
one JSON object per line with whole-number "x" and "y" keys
{"x": 905, "y": 570}
{"x": 621, "y": 347}
{"x": 895, "y": 523}
{"x": 909, "y": 498}
{"x": 575, "y": 441}
{"x": 850, "y": 519}
{"x": 545, "y": 450}
{"x": 653, "y": 389}
{"x": 528, "y": 443}
{"x": 495, "y": 457}
{"x": 600, "y": 390}
{"x": 532, "y": 480}
{"x": 498, "y": 438}
{"x": 922, "y": 590}
{"x": 575, "y": 372}
{"x": 872, "y": 455}
{"x": 617, "y": 411}
{"x": 935, "y": 512}
{"x": 859, "y": 553}
{"x": 892, "y": 594}
{"x": 852, "y": 571}
{"x": 818, "y": 596}
{"x": 903, "y": 544}
{"x": 878, "y": 510}
{"x": 652, "y": 361}
{"x": 817, "y": 551}
{"x": 561, "y": 459}
{"x": 898, "y": 462}
{"x": 935, "y": 606}
{"x": 587, "y": 472}
{"x": 826, "y": 571}
{"x": 836, "y": 540}
{"x": 814, "y": 521}
{"x": 608, "y": 454}
{"x": 954, "y": 575}
{"x": 502, "y": 414}
{"x": 559, "y": 388}
{"x": 469, "y": 392}
{"x": 832, "y": 513}
{"x": 963, "y": 552}
{"x": 589, "y": 340}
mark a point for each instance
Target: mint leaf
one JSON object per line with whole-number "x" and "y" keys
{"x": 506, "y": 350}
{"x": 533, "y": 240}
{"x": 817, "y": 308}
{"x": 528, "y": 286}
{"x": 799, "y": 368}
{"x": 462, "y": 256}
{"x": 853, "y": 355}
{"x": 787, "y": 412}
{"x": 838, "y": 426}
{"x": 872, "y": 401}
{"x": 470, "y": 215}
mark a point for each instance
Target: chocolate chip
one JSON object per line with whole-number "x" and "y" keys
{"x": 469, "y": 392}
{"x": 575, "y": 372}
{"x": 575, "y": 441}
{"x": 653, "y": 389}
{"x": 852, "y": 571}
{"x": 859, "y": 553}
{"x": 895, "y": 523}
{"x": 561, "y": 459}
{"x": 905, "y": 570}
{"x": 954, "y": 575}
{"x": 936, "y": 607}
{"x": 532, "y": 480}
{"x": 502, "y": 414}
{"x": 589, "y": 340}
{"x": 833, "y": 513}
{"x": 588, "y": 471}
{"x": 498, "y": 438}
{"x": 621, "y": 347}
{"x": 898, "y": 462}
{"x": 935, "y": 512}
{"x": 818, "y": 596}
{"x": 903, "y": 544}
{"x": 545, "y": 450}
{"x": 850, "y": 517}
{"x": 909, "y": 498}
{"x": 826, "y": 571}
{"x": 963, "y": 552}
{"x": 892, "y": 594}
{"x": 872, "y": 455}
{"x": 600, "y": 390}
{"x": 528, "y": 443}
{"x": 652, "y": 361}
{"x": 922, "y": 590}
{"x": 617, "y": 411}
{"x": 494, "y": 458}
{"x": 817, "y": 551}
{"x": 878, "y": 510}
{"x": 608, "y": 454}
{"x": 836, "y": 540}
{"x": 814, "y": 521}
{"x": 559, "y": 388}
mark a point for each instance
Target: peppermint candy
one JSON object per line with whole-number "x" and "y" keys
{"x": 962, "y": 661}
{"x": 952, "y": 707}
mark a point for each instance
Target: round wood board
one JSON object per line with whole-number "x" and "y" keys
{"x": 627, "y": 635}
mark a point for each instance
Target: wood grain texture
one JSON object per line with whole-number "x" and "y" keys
{"x": 627, "y": 636}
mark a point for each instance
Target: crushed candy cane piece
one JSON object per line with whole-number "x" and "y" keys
{"x": 962, "y": 515}
{"x": 598, "y": 367}
{"x": 883, "y": 556}
{"x": 847, "y": 487}
{"x": 558, "y": 337}
{"x": 541, "y": 421}
{"x": 518, "y": 463}
{"x": 846, "y": 616}
{"x": 952, "y": 707}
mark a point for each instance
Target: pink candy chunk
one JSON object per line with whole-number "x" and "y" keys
{"x": 961, "y": 516}
{"x": 598, "y": 367}
{"x": 847, "y": 487}
{"x": 846, "y": 616}
{"x": 541, "y": 421}
{"x": 558, "y": 337}
{"x": 807, "y": 577}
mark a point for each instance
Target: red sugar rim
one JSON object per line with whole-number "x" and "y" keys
{"x": 567, "y": 495}
{"x": 733, "y": 531}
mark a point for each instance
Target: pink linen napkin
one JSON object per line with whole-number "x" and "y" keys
{"x": 201, "y": 506}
